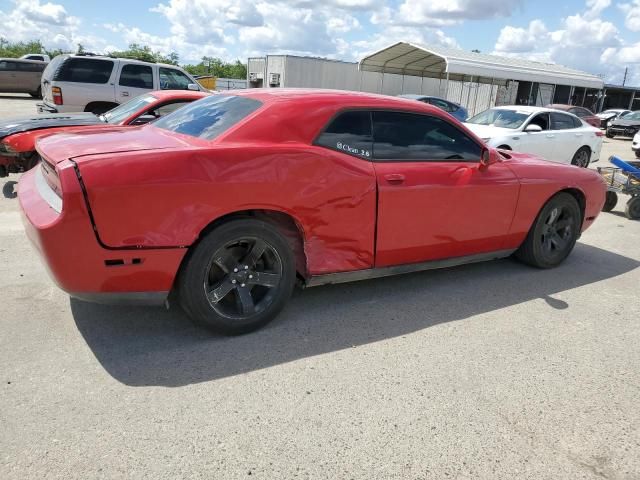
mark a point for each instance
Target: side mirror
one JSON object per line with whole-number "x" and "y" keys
{"x": 142, "y": 119}
{"x": 485, "y": 158}
{"x": 193, "y": 86}
{"x": 532, "y": 127}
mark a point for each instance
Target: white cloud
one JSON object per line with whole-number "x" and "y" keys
{"x": 521, "y": 40}
{"x": 585, "y": 41}
{"x": 449, "y": 12}
{"x": 632, "y": 19}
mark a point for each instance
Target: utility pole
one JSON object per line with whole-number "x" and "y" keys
{"x": 624, "y": 80}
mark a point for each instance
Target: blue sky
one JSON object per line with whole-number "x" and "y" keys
{"x": 599, "y": 36}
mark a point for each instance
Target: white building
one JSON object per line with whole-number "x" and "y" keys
{"x": 476, "y": 81}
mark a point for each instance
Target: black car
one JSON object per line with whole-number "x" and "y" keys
{"x": 626, "y": 126}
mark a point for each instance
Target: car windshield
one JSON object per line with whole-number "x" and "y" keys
{"x": 500, "y": 117}
{"x": 632, "y": 115}
{"x": 209, "y": 117}
{"x": 124, "y": 111}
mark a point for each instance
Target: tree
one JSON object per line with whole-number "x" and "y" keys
{"x": 17, "y": 49}
{"x": 144, "y": 53}
{"x": 218, "y": 68}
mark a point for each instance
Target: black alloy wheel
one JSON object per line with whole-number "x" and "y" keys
{"x": 242, "y": 277}
{"x": 238, "y": 277}
{"x": 553, "y": 234}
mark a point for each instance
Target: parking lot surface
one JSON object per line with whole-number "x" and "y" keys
{"x": 492, "y": 370}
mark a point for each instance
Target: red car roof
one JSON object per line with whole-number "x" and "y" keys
{"x": 326, "y": 96}
{"x": 178, "y": 94}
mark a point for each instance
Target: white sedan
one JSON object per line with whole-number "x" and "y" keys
{"x": 551, "y": 134}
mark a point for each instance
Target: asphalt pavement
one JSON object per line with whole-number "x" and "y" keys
{"x": 486, "y": 371}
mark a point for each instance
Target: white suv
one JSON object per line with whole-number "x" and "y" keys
{"x": 82, "y": 83}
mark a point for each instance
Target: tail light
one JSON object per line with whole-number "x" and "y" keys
{"x": 56, "y": 92}
{"x": 599, "y": 134}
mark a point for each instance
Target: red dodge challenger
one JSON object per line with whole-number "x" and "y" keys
{"x": 228, "y": 200}
{"x": 18, "y": 136}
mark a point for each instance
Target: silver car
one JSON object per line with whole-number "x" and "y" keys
{"x": 21, "y": 76}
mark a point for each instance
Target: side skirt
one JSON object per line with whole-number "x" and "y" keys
{"x": 344, "y": 277}
{"x": 123, "y": 298}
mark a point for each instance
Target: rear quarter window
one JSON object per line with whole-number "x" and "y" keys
{"x": 350, "y": 133}
{"x": 84, "y": 70}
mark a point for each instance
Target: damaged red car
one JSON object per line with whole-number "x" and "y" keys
{"x": 230, "y": 200}
{"x": 18, "y": 136}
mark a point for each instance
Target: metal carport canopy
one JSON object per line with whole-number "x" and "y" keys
{"x": 404, "y": 58}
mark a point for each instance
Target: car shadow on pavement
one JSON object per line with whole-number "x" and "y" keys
{"x": 151, "y": 346}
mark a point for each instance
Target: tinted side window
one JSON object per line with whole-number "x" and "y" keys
{"x": 30, "y": 67}
{"x": 561, "y": 121}
{"x": 84, "y": 70}
{"x": 8, "y": 66}
{"x": 349, "y": 132}
{"x": 577, "y": 123}
{"x": 407, "y": 136}
{"x": 171, "y": 79}
{"x": 168, "y": 108}
{"x": 137, "y": 76}
{"x": 36, "y": 57}
{"x": 542, "y": 120}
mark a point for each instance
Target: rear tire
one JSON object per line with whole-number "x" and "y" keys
{"x": 632, "y": 210}
{"x": 238, "y": 277}
{"x": 610, "y": 201}
{"x": 504, "y": 147}
{"x": 37, "y": 94}
{"x": 553, "y": 234}
{"x": 582, "y": 157}
{"x": 609, "y": 134}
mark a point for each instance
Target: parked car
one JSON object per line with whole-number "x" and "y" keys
{"x": 581, "y": 112}
{"x": 232, "y": 198}
{"x": 553, "y": 135}
{"x": 21, "y": 76}
{"x": 454, "y": 109}
{"x": 626, "y": 126}
{"x": 609, "y": 115}
{"x": 635, "y": 145}
{"x": 36, "y": 56}
{"x": 81, "y": 83}
{"x": 18, "y": 136}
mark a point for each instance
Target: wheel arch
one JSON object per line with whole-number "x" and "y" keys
{"x": 504, "y": 146}
{"x": 284, "y": 222}
{"x": 578, "y": 195}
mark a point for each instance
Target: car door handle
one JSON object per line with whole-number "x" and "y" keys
{"x": 551, "y": 136}
{"x": 578, "y": 134}
{"x": 394, "y": 178}
{"x": 125, "y": 94}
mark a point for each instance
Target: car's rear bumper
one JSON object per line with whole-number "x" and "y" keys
{"x": 75, "y": 259}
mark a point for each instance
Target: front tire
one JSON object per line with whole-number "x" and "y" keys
{"x": 553, "y": 234}
{"x": 238, "y": 278}
{"x": 582, "y": 157}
